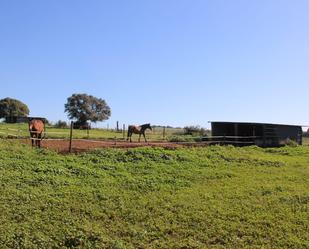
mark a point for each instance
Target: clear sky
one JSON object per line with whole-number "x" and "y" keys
{"x": 167, "y": 62}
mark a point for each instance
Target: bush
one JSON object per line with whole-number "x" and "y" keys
{"x": 180, "y": 139}
{"x": 291, "y": 143}
{"x": 61, "y": 124}
{"x": 81, "y": 125}
{"x": 194, "y": 130}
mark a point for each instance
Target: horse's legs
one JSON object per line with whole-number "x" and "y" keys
{"x": 36, "y": 141}
{"x": 39, "y": 140}
{"x": 145, "y": 137}
{"x": 130, "y": 136}
{"x": 139, "y": 138}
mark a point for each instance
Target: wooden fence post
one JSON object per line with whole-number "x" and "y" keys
{"x": 124, "y": 131}
{"x": 44, "y": 128}
{"x": 18, "y": 131}
{"x": 71, "y": 135}
{"x": 163, "y": 132}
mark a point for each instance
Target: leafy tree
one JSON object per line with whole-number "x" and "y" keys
{"x": 13, "y": 108}
{"x": 83, "y": 108}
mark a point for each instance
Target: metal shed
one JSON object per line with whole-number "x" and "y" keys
{"x": 260, "y": 134}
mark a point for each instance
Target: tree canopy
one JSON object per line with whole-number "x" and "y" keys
{"x": 84, "y": 107}
{"x": 13, "y": 108}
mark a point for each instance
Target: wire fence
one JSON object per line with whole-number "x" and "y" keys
{"x": 158, "y": 134}
{"x": 22, "y": 131}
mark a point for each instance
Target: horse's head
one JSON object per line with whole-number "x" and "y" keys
{"x": 36, "y": 125}
{"x": 148, "y": 127}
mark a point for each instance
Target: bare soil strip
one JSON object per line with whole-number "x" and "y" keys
{"x": 81, "y": 145}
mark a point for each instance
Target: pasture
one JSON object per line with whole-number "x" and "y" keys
{"x": 21, "y": 131}
{"x": 210, "y": 197}
{"x": 306, "y": 141}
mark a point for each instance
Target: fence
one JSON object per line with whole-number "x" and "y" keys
{"x": 236, "y": 140}
{"x": 158, "y": 134}
{"x": 11, "y": 133}
{"x": 21, "y": 131}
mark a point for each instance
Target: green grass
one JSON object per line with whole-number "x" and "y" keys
{"x": 306, "y": 141}
{"x": 212, "y": 197}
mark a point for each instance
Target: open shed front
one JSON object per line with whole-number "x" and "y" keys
{"x": 261, "y": 134}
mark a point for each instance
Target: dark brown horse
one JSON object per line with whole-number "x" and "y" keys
{"x": 138, "y": 130}
{"x": 36, "y": 128}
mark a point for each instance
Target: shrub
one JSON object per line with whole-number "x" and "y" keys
{"x": 61, "y": 124}
{"x": 291, "y": 143}
{"x": 180, "y": 139}
{"x": 194, "y": 130}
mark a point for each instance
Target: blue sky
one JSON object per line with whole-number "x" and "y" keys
{"x": 168, "y": 62}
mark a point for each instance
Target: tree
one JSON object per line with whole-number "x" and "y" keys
{"x": 10, "y": 108}
{"x": 83, "y": 108}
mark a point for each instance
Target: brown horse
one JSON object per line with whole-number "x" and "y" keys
{"x": 138, "y": 130}
{"x": 36, "y": 128}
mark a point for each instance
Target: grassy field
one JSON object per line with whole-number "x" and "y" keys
{"x": 211, "y": 197}
{"x": 21, "y": 130}
{"x": 157, "y": 134}
{"x": 306, "y": 141}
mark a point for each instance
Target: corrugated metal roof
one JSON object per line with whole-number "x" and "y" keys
{"x": 255, "y": 123}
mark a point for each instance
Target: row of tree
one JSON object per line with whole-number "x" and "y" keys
{"x": 80, "y": 107}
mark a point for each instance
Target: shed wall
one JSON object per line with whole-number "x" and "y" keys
{"x": 266, "y": 135}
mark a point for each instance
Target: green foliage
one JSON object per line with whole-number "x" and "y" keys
{"x": 291, "y": 143}
{"x": 12, "y": 108}
{"x": 211, "y": 197}
{"x": 186, "y": 138}
{"x": 305, "y": 140}
{"x": 194, "y": 130}
{"x": 83, "y": 108}
{"x": 178, "y": 138}
{"x": 61, "y": 124}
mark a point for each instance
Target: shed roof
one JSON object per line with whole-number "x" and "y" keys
{"x": 255, "y": 123}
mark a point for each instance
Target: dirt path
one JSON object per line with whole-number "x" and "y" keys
{"x": 81, "y": 145}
